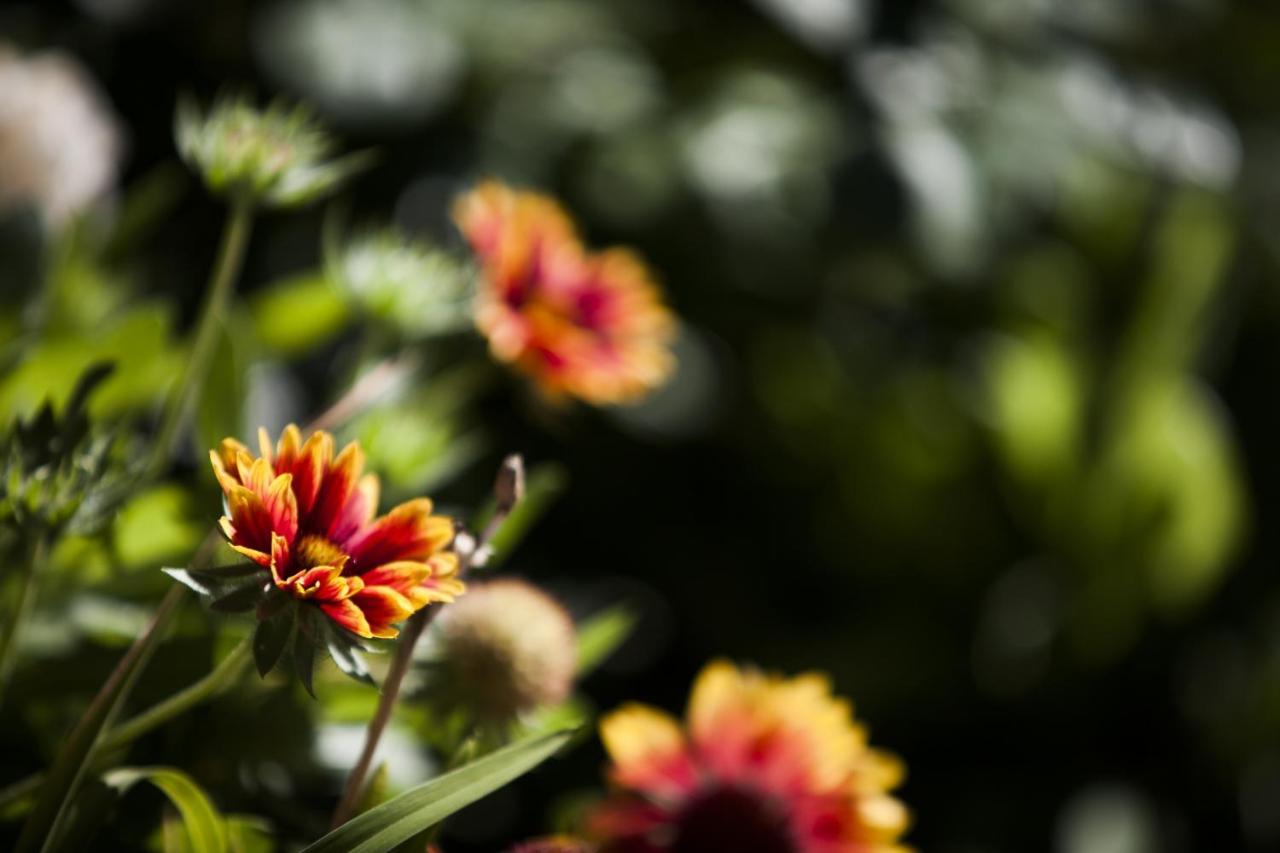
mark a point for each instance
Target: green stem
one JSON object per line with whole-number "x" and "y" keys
{"x": 26, "y": 599}
{"x": 226, "y": 269}
{"x": 508, "y": 491}
{"x": 69, "y": 768}
{"x": 220, "y": 679}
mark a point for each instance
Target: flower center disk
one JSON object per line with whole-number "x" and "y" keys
{"x": 732, "y": 818}
{"x": 311, "y": 551}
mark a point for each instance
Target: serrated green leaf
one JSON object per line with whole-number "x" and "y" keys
{"x": 203, "y": 822}
{"x": 601, "y": 633}
{"x": 385, "y": 826}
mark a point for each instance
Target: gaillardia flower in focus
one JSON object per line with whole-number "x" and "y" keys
{"x": 307, "y": 517}
{"x": 581, "y": 324}
{"x": 764, "y": 765}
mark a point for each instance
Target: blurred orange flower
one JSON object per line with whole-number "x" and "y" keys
{"x": 308, "y": 518}
{"x": 764, "y": 764}
{"x": 590, "y": 325}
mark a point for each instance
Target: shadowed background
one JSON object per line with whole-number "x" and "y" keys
{"x": 975, "y": 408}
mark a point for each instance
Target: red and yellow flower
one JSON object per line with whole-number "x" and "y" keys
{"x": 590, "y": 325}
{"x": 308, "y": 517}
{"x": 764, "y": 765}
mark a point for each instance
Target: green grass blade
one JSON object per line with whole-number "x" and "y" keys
{"x": 383, "y": 827}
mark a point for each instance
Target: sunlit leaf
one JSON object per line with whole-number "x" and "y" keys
{"x": 385, "y": 826}
{"x": 200, "y": 818}
{"x": 601, "y": 633}
{"x": 298, "y": 314}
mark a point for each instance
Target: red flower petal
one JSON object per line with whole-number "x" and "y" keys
{"x": 382, "y": 606}
{"x": 337, "y": 489}
{"x": 348, "y": 615}
{"x": 250, "y": 520}
{"x": 359, "y": 511}
{"x": 403, "y": 576}
{"x": 408, "y": 532}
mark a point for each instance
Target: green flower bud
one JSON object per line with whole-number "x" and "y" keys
{"x": 276, "y": 156}
{"x": 506, "y": 648}
{"x": 415, "y": 288}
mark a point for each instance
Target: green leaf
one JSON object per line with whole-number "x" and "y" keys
{"x": 304, "y": 654}
{"x": 375, "y": 792}
{"x": 219, "y": 408}
{"x": 249, "y": 834}
{"x": 203, "y": 822}
{"x": 271, "y": 638}
{"x": 600, "y": 634}
{"x": 345, "y": 651}
{"x": 69, "y": 767}
{"x": 240, "y": 599}
{"x": 298, "y": 314}
{"x": 216, "y": 583}
{"x": 385, "y": 826}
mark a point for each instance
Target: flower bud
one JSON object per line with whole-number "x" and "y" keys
{"x": 414, "y": 288}
{"x": 278, "y": 156}
{"x": 506, "y": 649}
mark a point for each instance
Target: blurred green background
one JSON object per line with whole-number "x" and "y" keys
{"x": 975, "y": 410}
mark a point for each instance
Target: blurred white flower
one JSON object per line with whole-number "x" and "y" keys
{"x": 60, "y": 142}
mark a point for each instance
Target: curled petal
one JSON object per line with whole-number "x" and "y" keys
{"x": 348, "y": 615}
{"x": 402, "y": 576}
{"x": 382, "y": 606}
{"x": 443, "y": 584}
{"x": 250, "y": 521}
{"x": 408, "y": 532}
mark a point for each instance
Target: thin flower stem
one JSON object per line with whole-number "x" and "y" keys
{"x": 509, "y": 489}
{"x": 26, "y": 598}
{"x": 386, "y": 703}
{"x": 226, "y": 269}
{"x": 222, "y": 677}
{"x": 370, "y": 387}
{"x": 225, "y": 674}
{"x": 69, "y": 768}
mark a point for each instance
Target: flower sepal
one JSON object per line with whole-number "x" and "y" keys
{"x": 237, "y": 588}
{"x": 287, "y": 625}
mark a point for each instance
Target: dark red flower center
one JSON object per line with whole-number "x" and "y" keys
{"x": 311, "y": 551}
{"x": 732, "y": 818}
